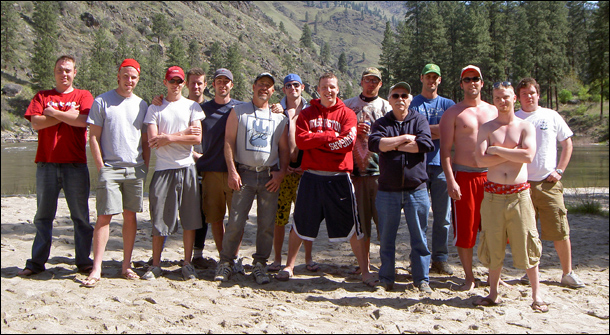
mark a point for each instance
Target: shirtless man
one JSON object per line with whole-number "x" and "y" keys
{"x": 506, "y": 145}
{"x": 459, "y": 126}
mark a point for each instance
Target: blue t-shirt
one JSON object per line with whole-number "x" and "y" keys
{"x": 213, "y": 136}
{"x": 432, "y": 110}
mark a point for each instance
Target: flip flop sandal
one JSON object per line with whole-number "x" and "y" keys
{"x": 283, "y": 275}
{"x": 486, "y": 302}
{"x": 130, "y": 275}
{"x": 274, "y": 267}
{"x": 312, "y": 267}
{"x": 90, "y": 282}
{"x": 355, "y": 271}
{"x": 371, "y": 282}
{"x": 540, "y": 306}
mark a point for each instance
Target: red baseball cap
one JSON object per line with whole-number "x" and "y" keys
{"x": 130, "y": 62}
{"x": 174, "y": 71}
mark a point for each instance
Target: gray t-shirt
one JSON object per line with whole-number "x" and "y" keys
{"x": 258, "y": 135}
{"x": 122, "y": 122}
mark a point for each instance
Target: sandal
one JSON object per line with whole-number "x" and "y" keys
{"x": 90, "y": 282}
{"x": 371, "y": 281}
{"x": 355, "y": 271}
{"x": 540, "y": 306}
{"x": 283, "y": 275}
{"x": 487, "y": 302}
{"x": 274, "y": 267}
{"x": 130, "y": 275}
{"x": 312, "y": 267}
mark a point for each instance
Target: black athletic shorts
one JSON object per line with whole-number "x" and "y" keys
{"x": 326, "y": 197}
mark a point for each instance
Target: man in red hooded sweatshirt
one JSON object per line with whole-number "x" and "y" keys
{"x": 325, "y": 132}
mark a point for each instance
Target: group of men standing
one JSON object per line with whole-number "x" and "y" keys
{"x": 354, "y": 161}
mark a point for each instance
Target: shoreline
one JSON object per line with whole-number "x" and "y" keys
{"x": 328, "y": 301}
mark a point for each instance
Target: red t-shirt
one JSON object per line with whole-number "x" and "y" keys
{"x": 61, "y": 143}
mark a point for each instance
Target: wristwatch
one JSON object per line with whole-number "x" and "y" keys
{"x": 559, "y": 171}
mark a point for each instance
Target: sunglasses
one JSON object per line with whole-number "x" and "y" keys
{"x": 396, "y": 96}
{"x": 175, "y": 81}
{"x": 371, "y": 80}
{"x": 290, "y": 85}
{"x": 473, "y": 79}
{"x": 502, "y": 84}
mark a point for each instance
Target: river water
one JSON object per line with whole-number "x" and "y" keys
{"x": 588, "y": 168}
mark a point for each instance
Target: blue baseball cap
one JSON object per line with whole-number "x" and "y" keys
{"x": 292, "y": 77}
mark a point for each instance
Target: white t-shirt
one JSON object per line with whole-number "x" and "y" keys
{"x": 550, "y": 128}
{"x": 170, "y": 118}
{"x": 122, "y": 125}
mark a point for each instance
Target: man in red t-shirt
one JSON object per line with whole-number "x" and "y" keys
{"x": 60, "y": 117}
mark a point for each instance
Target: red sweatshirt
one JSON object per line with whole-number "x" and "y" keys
{"x": 326, "y": 136}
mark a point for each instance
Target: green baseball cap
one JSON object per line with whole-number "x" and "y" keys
{"x": 431, "y": 68}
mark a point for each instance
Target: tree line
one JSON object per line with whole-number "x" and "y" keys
{"x": 552, "y": 41}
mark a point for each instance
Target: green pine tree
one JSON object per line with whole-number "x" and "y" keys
{"x": 216, "y": 57}
{"x": 193, "y": 54}
{"x": 342, "y": 63}
{"x": 176, "y": 54}
{"x": 46, "y": 30}
{"x": 306, "y": 40}
{"x": 599, "y": 54}
{"x": 160, "y": 27}
{"x": 9, "y": 31}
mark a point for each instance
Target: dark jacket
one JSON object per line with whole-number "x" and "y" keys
{"x": 402, "y": 171}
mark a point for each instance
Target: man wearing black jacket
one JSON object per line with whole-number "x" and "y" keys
{"x": 402, "y": 140}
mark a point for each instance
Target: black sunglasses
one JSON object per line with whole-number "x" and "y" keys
{"x": 289, "y": 85}
{"x": 175, "y": 81}
{"x": 502, "y": 84}
{"x": 473, "y": 79}
{"x": 396, "y": 96}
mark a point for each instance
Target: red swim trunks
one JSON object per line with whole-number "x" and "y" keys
{"x": 466, "y": 212}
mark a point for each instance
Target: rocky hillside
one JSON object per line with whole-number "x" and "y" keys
{"x": 355, "y": 28}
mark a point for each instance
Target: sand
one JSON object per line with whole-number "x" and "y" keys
{"x": 328, "y": 301}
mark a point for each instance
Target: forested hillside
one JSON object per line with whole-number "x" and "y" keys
{"x": 562, "y": 44}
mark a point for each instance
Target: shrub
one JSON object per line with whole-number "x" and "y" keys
{"x": 565, "y": 96}
{"x": 596, "y": 98}
{"x": 583, "y": 93}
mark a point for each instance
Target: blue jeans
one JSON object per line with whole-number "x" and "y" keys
{"x": 415, "y": 205}
{"x": 253, "y": 185}
{"x": 74, "y": 180}
{"x": 441, "y": 212}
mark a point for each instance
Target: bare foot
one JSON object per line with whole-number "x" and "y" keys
{"x": 505, "y": 284}
{"x": 467, "y": 287}
{"x": 25, "y": 272}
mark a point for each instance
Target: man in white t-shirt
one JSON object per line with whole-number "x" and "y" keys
{"x": 119, "y": 147}
{"x": 173, "y": 129}
{"x": 544, "y": 175}
{"x": 368, "y": 107}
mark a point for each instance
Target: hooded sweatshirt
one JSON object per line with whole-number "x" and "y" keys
{"x": 326, "y": 137}
{"x": 399, "y": 170}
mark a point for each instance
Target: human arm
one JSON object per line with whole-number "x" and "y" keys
{"x": 189, "y": 136}
{"x": 51, "y": 116}
{"x": 158, "y": 100}
{"x": 307, "y": 139}
{"x": 564, "y": 159}
{"x": 273, "y": 185}
{"x": 523, "y": 152}
{"x": 234, "y": 180}
{"x": 447, "y": 131}
{"x": 435, "y": 131}
{"x": 145, "y": 148}
{"x": 95, "y": 134}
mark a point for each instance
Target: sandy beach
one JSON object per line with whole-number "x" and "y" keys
{"x": 328, "y": 301}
